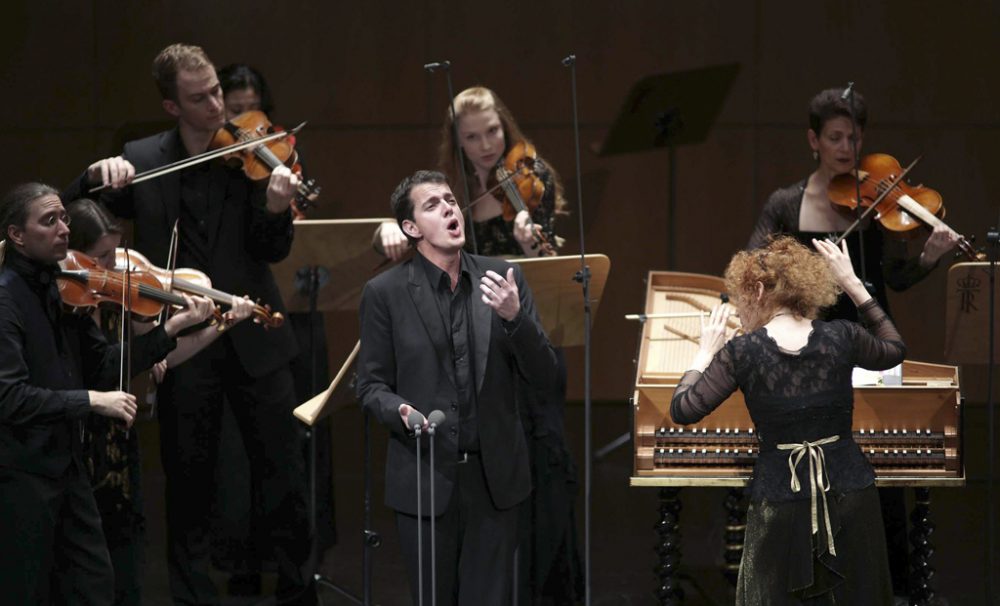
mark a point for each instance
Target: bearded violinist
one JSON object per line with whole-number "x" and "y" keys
{"x": 55, "y": 369}
{"x": 232, "y": 231}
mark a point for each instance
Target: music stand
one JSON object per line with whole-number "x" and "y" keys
{"x": 557, "y": 295}
{"x": 341, "y": 252}
{"x": 970, "y": 307}
{"x": 967, "y": 314}
{"x": 667, "y": 110}
{"x": 327, "y": 267}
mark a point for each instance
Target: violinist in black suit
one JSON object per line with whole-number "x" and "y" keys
{"x": 231, "y": 230}
{"x": 450, "y": 331}
{"x": 55, "y": 369}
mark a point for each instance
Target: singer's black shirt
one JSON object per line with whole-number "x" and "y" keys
{"x": 453, "y": 306}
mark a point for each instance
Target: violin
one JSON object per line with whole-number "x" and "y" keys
{"x": 192, "y": 282}
{"x": 249, "y": 139}
{"x": 257, "y": 162}
{"x": 84, "y": 284}
{"x": 520, "y": 188}
{"x": 901, "y": 207}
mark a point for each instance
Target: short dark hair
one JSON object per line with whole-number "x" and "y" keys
{"x": 91, "y": 222}
{"x": 15, "y": 203}
{"x": 237, "y": 76}
{"x": 829, "y": 104}
{"x": 402, "y": 204}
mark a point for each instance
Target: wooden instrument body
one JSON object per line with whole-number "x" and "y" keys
{"x": 911, "y": 433}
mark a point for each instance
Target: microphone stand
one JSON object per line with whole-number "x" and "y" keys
{"x": 431, "y": 430}
{"x": 311, "y": 275}
{"x": 992, "y": 249}
{"x": 446, "y": 66}
{"x": 372, "y": 539}
{"x": 583, "y": 277}
{"x": 420, "y": 521}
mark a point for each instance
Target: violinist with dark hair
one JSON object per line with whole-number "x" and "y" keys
{"x": 55, "y": 369}
{"x": 231, "y": 230}
{"x": 804, "y": 210}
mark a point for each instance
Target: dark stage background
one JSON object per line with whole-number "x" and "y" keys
{"x": 76, "y": 72}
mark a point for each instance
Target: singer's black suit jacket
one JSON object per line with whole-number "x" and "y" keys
{"x": 403, "y": 359}
{"x": 246, "y": 240}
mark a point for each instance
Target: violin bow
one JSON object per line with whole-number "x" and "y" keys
{"x": 125, "y": 334}
{"x": 482, "y": 196}
{"x": 204, "y": 157}
{"x": 877, "y": 201}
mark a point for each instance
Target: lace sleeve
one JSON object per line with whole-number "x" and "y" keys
{"x": 698, "y": 394}
{"x": 880, "y": 346}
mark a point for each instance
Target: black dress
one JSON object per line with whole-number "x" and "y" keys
{"x": 804, "y": 545}
{"x": 885, "y": 265}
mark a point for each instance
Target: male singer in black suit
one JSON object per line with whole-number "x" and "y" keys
{"x": 231, "y": 230}
{"x": 448, "y": 331}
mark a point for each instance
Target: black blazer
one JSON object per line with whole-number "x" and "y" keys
{"x": 44, "y": 378}
{"x": 247, "y": 239}
{"x": 403, "y": 359}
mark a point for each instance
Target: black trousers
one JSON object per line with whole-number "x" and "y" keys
{"x": 475, "y": 545}
{"x": 52, "y": 550}
{"x": 190, "y": 413}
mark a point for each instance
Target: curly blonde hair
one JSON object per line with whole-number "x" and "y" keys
{"x": 793, "y": 277}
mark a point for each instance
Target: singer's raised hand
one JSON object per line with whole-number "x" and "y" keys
{"x": 501, "y": 294}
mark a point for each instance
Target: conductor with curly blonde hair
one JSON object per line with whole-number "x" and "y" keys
{"x": 814, "y": 527}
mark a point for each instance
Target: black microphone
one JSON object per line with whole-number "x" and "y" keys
{"x": 568, "y": 60}
{"x": 847, "y": 91}
{"x": 431, "y": 67}
{"x": 415, "y": 420}
{"x": 435, "y": 418}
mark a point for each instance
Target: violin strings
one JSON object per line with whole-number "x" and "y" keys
{"x": 166, "y": 296}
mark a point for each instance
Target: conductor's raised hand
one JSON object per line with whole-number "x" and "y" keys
{"x": 501, "y": 294}
{"x": 839, "y": 262}
{"x": 714, "y": 334}
{"x": 715, "y": 330}
{"x": 115, "y": 173}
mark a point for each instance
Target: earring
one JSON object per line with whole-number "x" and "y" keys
{"x": 815, "y": 156}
